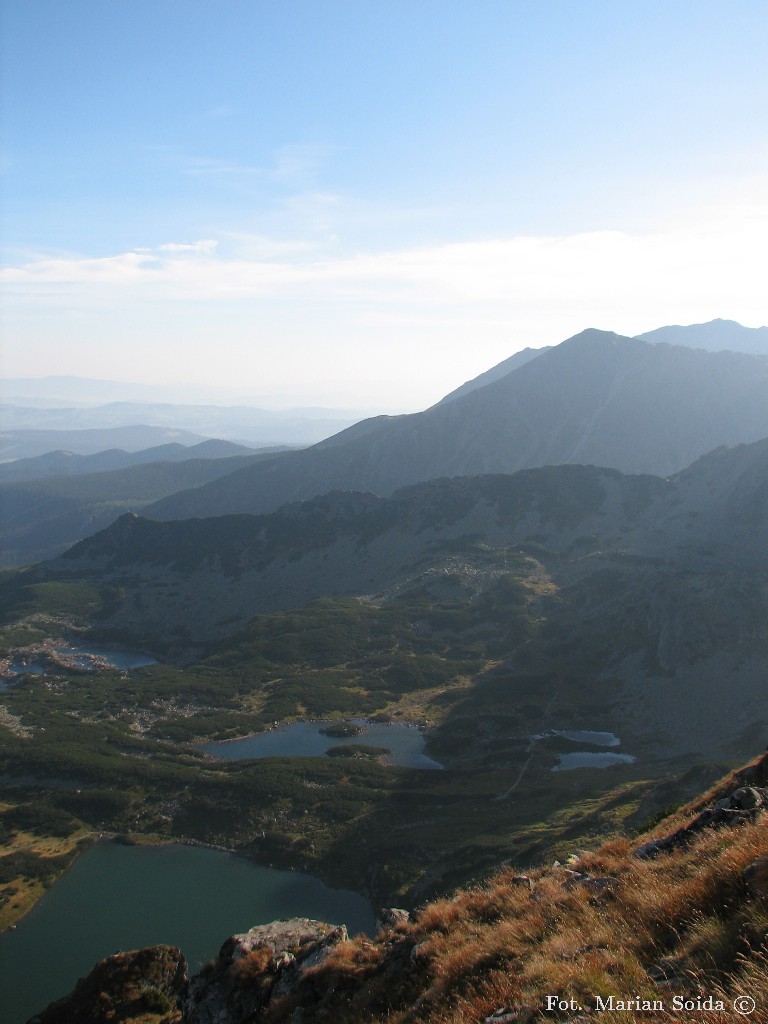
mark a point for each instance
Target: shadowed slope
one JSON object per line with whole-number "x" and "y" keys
{"x": 597, "y": 399}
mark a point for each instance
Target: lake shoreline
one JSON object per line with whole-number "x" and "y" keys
{"x": 409, "y": 723}
{"x": 131, "y": 839}
{"x": 184, "y": 894}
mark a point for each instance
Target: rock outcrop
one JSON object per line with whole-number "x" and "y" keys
{"x": 268, "y": 962}
{"x": 145, "y": 983}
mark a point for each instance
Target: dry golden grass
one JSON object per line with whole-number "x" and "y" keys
{"x": 501, "y": 945}
{"x": 19, "y": 895}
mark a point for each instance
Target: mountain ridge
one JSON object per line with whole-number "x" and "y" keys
{"x": 597, "y": 398}
{"x": 61, "y": 462}
{"x": 715, "y": 336}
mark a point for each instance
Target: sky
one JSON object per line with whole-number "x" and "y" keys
{"x": 360, "y": 203}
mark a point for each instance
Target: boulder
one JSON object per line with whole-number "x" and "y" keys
{"x": 265, "y": 962}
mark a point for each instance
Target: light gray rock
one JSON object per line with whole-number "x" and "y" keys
{"x": 390, "y": 917}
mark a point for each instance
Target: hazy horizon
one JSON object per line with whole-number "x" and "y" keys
{"x": 362, "y": 206}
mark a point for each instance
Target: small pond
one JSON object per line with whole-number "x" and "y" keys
{"x": 598, "y": 739}
{"x": 585, "y": 759}
{"x": 307, "y": 739}
{"x": 125, "y": 897}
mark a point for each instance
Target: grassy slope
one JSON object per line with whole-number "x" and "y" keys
{"x": 687, "y": 916}
{"x": 601, "y": 937}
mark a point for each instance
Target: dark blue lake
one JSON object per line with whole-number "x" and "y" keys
{"x": 118, "y": 897}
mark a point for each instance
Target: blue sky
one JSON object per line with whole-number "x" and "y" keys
{"x": 365, "y": 203}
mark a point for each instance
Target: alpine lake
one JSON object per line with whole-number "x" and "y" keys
{"x": 399, "y": 744}
{"x": 118, "y": 897}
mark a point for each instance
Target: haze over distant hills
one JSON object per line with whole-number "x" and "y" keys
{"x": 67, "y": 463}
{"x": 598, "y": 399}
{"x": 28, "y": 444}
{"x": 237, "y": 423}
{"x": 70, "y": 403}
{"x": 42, "y": 515}
{"x": 70, "y": 391}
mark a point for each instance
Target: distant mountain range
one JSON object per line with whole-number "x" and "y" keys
{"x": 572, "y": 546}
{"x": 598, "y": 399}
{"x": 68, "y": 392}
{"x": 41, "y": 516}
{"x": 256, "y": 426}
{"x": 630, "y": 404}
{"x": 716, "y": 336}
{"x": 29, "y": 444}
{"x": 66, "y": 463}
{"x": 77, "y": 403}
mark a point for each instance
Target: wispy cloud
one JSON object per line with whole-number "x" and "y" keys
{"x": 205, "y": 246}
{"x": 720, "y": 259}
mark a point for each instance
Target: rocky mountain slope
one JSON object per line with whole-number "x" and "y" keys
{"x": 496, "y": 372}
{"x": 596, "y": 399}
{"x": 668, "y": 929}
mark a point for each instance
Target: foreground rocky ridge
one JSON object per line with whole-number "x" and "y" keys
{"x": 674, "y": 923}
